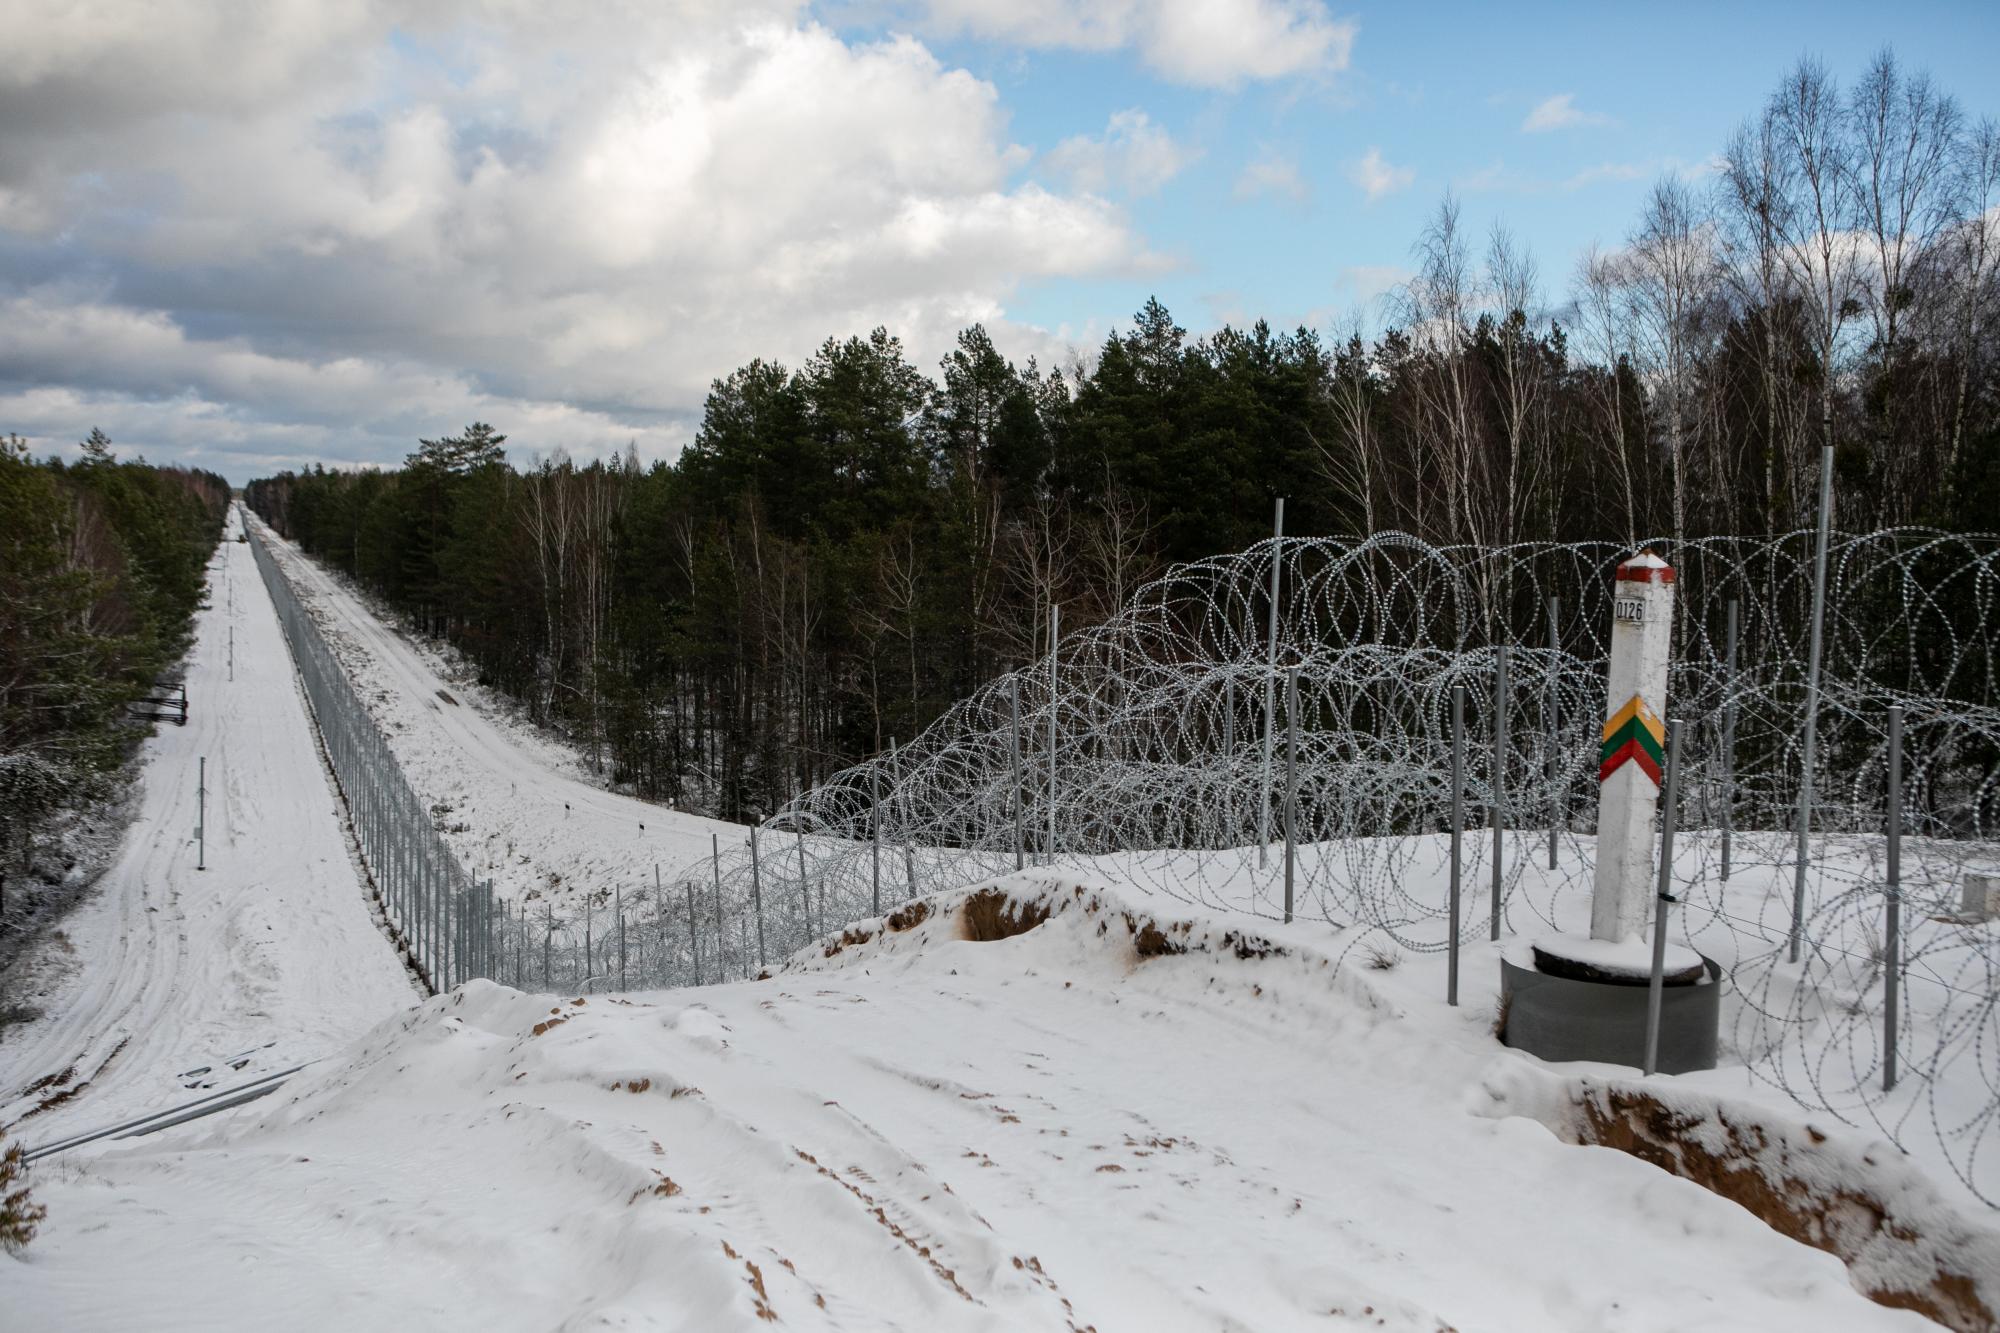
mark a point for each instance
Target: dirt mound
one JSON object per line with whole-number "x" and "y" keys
{"x": 1857, "y": 1199}
{"x": 1019, "y": 904}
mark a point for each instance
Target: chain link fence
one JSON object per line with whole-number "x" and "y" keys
{"x": 443, "y": 919}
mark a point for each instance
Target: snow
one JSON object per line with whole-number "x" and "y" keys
{"x": 1145, "y": 1113}
{"x": 265, "y": 959}
{"x": 923, "y": 1132}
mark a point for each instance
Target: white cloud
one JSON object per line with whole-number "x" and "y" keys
{"x": 1133, "y": 156}
{"x": 1606, "y": 171}
{"x": 1271, "y": 174}
{"x": 1498, "y": 177}
{"x": 569, "y": 220}
{"x": 1365, "y": 284}
{"x": 1206, "y": 43}
{"x": 1561, "y": 113}
{"x": 1377, "y": 178}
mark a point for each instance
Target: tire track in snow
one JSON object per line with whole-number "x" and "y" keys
{"x": 173, "y": 967}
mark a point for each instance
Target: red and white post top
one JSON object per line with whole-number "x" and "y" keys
{"x": 1644, "y": 567}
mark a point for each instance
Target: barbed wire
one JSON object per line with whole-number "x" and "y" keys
{"x": 1153, "y": 749}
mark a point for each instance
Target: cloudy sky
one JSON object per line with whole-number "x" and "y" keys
{"x": 250, "y": 234}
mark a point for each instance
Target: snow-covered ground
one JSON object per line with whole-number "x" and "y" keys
{"x": 171, "y": 978}
{"x": 920, "y": 1132}
{"x": 518, "y": 806}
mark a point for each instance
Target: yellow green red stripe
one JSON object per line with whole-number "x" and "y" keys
{"x": 1633, "y": 735}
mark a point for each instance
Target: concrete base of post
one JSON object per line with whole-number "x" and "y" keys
{"x": 1564, "y": 1018}
{"x": 1617, "y": 965}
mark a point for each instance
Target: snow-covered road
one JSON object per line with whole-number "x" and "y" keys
{"x": 267, "y": 958}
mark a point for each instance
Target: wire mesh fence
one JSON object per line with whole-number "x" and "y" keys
{"x": 443, "y": 919}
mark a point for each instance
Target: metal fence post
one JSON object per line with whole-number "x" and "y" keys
{"x": 1457, "y": 833}
{"x": 548, "y": 944}
{"x": 1270, "y": 684}
{"x": 201, "y": 814}
{"x": 875, "y": 831}
{"x": 1808, "y": 741}
{"x": 757, "y": 897}
{"x": 1663, "y": 897}
{"x": 721, "y": 939}
{"x": 1551, "y": 767}
{"x": 1892, "y": 945}
{"x": 1229, "y": 760}
{"x": 587, "y": 943}
{"x": 1055, "y": 627}
{"x": 1729, "y": 740}
{"x": 1291, "y": 782}
{"x": 805, "y": 890}
{"x": 1500, "y": 711}
{"x": 694, "y": 937}
{"x": 1014, "y": 728}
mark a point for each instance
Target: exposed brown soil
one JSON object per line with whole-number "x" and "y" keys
{"x": 881, "y": 1216}
{"x": 49, "y": 1081}
{"x": 1151, "y": 941}
{"x": 58, "y": 1098}
{"x": 1248, "y": 947}
{"x": 1842, "y": 1222}
{"x": 909, "y": 916}
{"x": 991, "y": 915}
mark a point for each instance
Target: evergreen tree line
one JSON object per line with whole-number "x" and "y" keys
{"x": 849, "y": 546}
{"x": 102, "y": 567}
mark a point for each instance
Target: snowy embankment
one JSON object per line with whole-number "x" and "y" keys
{"x": 1033, "y": 1106}
{"x": 514, "y": 805}
{"x": 172, "y": 978}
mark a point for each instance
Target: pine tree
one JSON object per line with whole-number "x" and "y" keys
{"x": 97, "y": 447}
